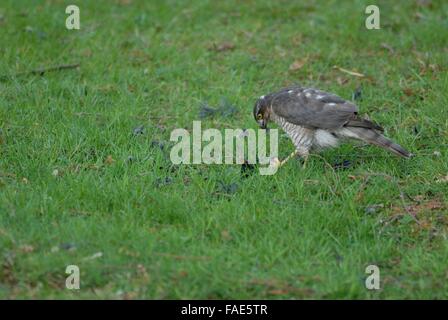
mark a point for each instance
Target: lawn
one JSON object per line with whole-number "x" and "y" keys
{"x": 86, "y": 178}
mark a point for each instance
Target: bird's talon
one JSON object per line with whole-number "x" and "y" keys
{"x": 275, "y": 163}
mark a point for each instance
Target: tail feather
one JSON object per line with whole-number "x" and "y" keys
{"x": 373, "y": 137}
{"x": 357, "y": 121}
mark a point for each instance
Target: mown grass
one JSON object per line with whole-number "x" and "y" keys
{"x": 77, "y": 186}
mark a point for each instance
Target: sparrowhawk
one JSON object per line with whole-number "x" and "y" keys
{"x": 315, "y": 119}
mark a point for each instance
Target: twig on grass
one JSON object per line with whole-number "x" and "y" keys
{"x": 353, "y": 73}
{"x": 42, "y": 71}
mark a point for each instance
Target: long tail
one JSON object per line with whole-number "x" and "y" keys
{"x": 373, "y": 137}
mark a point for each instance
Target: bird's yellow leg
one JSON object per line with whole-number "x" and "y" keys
{"x": 275, "y": 162}
{"x": 289, "y": 157}
{"x": 305, "y": 161}
{"x": 304, "y": 155}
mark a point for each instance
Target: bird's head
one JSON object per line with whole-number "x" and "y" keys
{"x": 262, "y": 111}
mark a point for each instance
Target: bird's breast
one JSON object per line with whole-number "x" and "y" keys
{"x": 306, "y": 138}
{"x": 301, "y": 137}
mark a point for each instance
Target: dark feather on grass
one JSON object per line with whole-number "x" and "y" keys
{"x": 206, "y": 111}
{"x": 345, "y": 164}
{"x": 229, "y": 189}
{"x": 224, "y": 109}
{"x": 158, "y": 144}
{"x": 247, "y": 169}
{"x": 139, "y": 130}
{"x": 357, "y": 94}
{"x": 163, "y": 182}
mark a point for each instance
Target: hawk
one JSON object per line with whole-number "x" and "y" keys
{"x": 315, "y": 120}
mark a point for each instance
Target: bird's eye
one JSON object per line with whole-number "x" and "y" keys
{"x": 259, "y": 116}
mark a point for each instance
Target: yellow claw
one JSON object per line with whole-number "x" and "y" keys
{"x": 275, "y": 163}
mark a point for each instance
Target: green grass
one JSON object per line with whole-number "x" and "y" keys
{"x": 302, "y": 233}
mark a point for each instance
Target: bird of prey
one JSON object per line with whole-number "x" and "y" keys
{"x": 315, "y": 120}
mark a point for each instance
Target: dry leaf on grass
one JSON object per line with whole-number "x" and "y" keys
{"x": 225, "y": 234}
{"x": 341, "y": 80}
{"x": 224, "y": 46}
{"x": 26, "y": 248}
{"x": 421, "y": 206}
{"x": 109, "y": 160}
{"x": 409, "y": 92}
{"x": 442, "y": 179}
{"x": 388, "y": 47}
{"x": 297, "y": 65}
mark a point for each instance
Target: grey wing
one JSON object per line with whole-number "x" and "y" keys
{"x": 313, "y": 108}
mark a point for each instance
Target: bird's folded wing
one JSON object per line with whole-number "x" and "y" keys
{"x": 313, "y": 108}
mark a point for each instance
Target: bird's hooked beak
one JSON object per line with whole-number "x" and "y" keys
{"x": 262, "y": 123}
